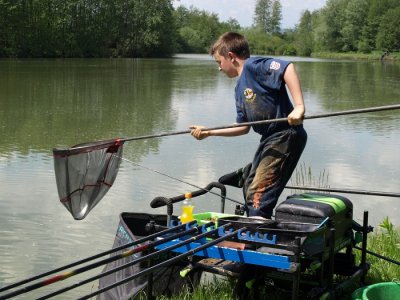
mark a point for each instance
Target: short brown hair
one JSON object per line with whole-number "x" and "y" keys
{"x": 231, "y": 42}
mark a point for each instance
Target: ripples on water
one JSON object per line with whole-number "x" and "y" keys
{"x": 38, "y": 233}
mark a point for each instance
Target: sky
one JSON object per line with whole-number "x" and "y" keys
{"x": 243, "y": 10}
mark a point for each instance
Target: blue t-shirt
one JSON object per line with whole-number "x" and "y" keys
{"x": 261, "y": 94}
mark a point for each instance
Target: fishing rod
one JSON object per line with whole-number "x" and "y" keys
{"x": 140, "y": 259}
{"x": 318, "y": 116}
{"x": 307, "y": 188}
{"x": 167, "y": 262}
{"x": 379, "y": 256}
{"x": 344, "y": 191}
{"x": 68, "y": 274}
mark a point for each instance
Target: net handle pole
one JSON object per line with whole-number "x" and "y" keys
{"x": 318, "y": 116}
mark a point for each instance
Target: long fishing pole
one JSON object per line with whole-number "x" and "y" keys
{"x": 318, "y": 116}
{"x": 73, "y": 264}
{"x": 166, "y": 263}
{"x": 344, "y": 191}
{"x": 138, "y": 260}
{"x": 309, "y": 188}
{"x": 379, "y": 256}
{"x": 65, "y": 275}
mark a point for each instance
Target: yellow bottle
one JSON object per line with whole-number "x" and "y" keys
{"x": 187, "y": 209}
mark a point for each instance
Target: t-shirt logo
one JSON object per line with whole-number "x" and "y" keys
{"x": 275, "y": 65}
{"x": 249, "y": 94}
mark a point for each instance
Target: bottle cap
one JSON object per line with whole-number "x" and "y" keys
{"x": 188, "y": 195}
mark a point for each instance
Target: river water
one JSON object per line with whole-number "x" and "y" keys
{"x": 60, "y": 103}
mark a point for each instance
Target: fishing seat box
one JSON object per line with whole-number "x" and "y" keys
{"x": 331, "y": 210}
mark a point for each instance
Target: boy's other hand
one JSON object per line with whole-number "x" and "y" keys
{"x": 296, "y": 116}
{"x": 198, "y": 132}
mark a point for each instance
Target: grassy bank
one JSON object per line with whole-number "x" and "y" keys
{"x": 385, "y": 240}
{"x": 376, "y": 55}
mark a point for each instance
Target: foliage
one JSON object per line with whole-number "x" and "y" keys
{"x": 261, "y": 43}
{"x": 385, "y": 242}
{"x": 268, "y": 16}
{"x": 349, "y": 26}
{"x": 304, "y": 37}
{"x": 388, "y": 36}
{"x": 198, "y": 29}
{"x": 353, "y": 21}
{"x": 138, "y": 28}
{"x": 86, "y": 28}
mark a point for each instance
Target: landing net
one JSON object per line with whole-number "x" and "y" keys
{"x": 85, "y": 173}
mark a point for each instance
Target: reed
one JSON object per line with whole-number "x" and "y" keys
{"x": 303, "y": 176}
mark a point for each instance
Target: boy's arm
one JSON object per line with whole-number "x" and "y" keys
{"x": 201, "y": 132}
{"x": 292, "y": 81}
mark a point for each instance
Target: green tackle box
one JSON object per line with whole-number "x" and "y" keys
{"x": 320, "y": 209}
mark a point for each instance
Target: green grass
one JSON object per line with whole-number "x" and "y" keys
{"x": 386, "y": 242}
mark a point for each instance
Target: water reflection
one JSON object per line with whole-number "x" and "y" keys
{"x": 44, "y": 104}
{"x": 351, "y": 85}
{"x": 48, "y": 103}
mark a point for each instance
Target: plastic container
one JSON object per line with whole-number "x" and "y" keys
{"x": 187, "y": 209}
{"x": 205, "y": 217}
{"x": 378, "y": 291}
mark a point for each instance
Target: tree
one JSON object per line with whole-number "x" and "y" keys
{"x": 268, "y": 16}
{"x": 198, "y": 29}
{"x": 230, "y": 25}
{"x": 332, "y": 16}
{"x": 304, "y": 35}
{"x": 388, "y": 37}
{"x": 86, "y": 28}
{"x": 354, "y": 18}
{"x": 262, "y": 15}
{"x": 276, "y": 17}
{"x": 377, "y": 8}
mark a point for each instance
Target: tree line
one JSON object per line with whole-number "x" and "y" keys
{"x": 350, "y": 25}
{"x": 140, "y": 28}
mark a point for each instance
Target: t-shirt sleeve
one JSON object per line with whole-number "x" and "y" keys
{"x": 272, "y": 73}
{"x": 240, "y": 115}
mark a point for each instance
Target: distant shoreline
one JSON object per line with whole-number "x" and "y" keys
{"x": 376, "y": 55}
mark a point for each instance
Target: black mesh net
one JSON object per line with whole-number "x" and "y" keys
{"x": 84, "y": 174}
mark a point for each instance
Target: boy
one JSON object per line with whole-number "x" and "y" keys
{"x": 261, "y": 94}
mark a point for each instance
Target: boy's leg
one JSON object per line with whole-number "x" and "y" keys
{"x": 236, "y": 178}
{"x": 273, "y": 165}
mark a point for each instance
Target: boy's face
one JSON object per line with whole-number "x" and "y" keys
{"x": 226, "y": 64}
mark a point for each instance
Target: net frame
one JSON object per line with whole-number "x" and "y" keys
{"x": 85, "y": 172}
